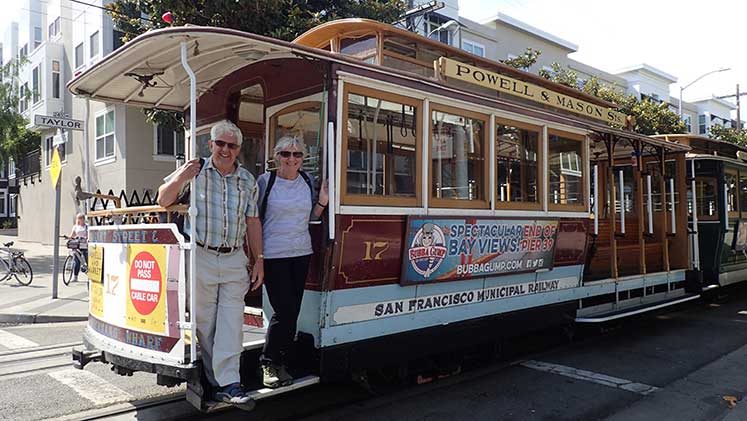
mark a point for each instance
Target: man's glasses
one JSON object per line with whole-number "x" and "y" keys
{"x": 287, "y": 154}
{"x": 221, "y": 144}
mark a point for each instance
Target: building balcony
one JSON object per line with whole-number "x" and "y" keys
{"x": 28, "y": 170}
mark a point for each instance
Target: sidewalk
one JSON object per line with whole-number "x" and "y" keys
{"x": 34, "y": 303}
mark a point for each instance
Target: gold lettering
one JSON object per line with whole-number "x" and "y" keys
{"x": 372, "y": 246}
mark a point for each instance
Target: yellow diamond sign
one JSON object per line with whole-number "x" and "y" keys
{"x": 55, "y": 168}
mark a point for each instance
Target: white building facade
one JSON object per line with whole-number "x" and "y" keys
{"x": 118, "y": 151}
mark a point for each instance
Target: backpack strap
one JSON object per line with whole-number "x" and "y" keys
{"x": 263, "y": 204}
{"x": 307, "y": 179}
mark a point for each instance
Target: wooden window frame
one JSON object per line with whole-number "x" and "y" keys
{"x": 508, "y": 205}
{"x": 581, "y": 207}
{"x": 483, "y": 203}
{"x": 377, "y": 199}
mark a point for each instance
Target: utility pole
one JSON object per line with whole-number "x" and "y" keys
{"x": 736, "y": 96}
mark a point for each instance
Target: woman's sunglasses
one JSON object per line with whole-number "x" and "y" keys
{"x": 221, "y": 144}
{"x": 287, "y": 154}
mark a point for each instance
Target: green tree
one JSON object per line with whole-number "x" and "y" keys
{"x": 15, "y": 140}
{"x": 525, "y": 60}
{"x": 561, "y": 75}
{"x": 282, "y": 19}
{"x": 728, "y": 134}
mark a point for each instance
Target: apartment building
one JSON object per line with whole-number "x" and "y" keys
{"x": 118, "y": 150}
{"x": 501, "y": 37}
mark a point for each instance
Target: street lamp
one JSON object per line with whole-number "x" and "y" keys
{"x": 445, "y": 26}
{"x": 682, "y": 88}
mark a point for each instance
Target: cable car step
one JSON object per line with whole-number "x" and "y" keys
{"x": 264, "y": 393}
{"x": 627, "y": 312}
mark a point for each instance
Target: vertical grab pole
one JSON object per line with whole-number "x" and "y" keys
{"x": 726, "y": 207}
{"x": 192, "y": 200}
{"x": 649, "y": 205}
{"x": 696, "y": 246}
{"x": 596, "y": 199}
{"x": 622, "y": 201}
{"x": 330, "y": 163}
{"x": 671, "y": 200}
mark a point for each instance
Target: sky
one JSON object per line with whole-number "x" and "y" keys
{"x": 683, "y": 38}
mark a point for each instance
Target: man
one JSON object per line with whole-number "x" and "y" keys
{"x": 226, "y": 211}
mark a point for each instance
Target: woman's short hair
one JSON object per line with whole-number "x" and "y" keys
{"x": 225, "y": 126}
{"x": 289, "y": 141}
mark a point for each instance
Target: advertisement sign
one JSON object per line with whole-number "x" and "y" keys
{"x": 444, "y": 249}
{"x": 95, "y": 280}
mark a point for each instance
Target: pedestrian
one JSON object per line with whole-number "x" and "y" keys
{"x": 226, "y": 213}
{"x": 286, "y": 204}
{"x": 80, "y": 233}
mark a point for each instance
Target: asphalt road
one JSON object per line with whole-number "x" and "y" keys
{"x": 677, "y": 365}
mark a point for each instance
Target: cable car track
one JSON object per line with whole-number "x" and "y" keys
{"x": 27, "y": 361}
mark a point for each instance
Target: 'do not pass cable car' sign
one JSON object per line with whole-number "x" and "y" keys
{"x": 145, "y": 283}
{"x": 146, "y": 307}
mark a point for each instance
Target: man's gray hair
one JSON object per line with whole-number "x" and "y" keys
{"x": 225, "y": 126}
{"x": 288, "y": 141}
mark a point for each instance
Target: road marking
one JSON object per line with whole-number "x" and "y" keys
{"x": 91, "y": 386}
{"x": 641, "y": 389}
{"x": 11, "y": 341}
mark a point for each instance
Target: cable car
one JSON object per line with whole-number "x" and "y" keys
{"x": 470, "y": 201}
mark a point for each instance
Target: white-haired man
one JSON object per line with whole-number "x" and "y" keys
{"x": 226, "y": 212}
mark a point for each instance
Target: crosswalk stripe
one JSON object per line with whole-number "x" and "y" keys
{"x": 11, "y": 341}
{"x": 590, "y": 376}
{"x": 91, "y": 386}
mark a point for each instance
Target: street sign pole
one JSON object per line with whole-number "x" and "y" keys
{"x": 56, "y": 267}
{"x": 55, "y": 171}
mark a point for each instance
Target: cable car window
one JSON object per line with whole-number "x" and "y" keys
{"x": 743, "y": 190}
{"x": 303, "y": 121}
{"x": 458, "y": 149}
{"x": 381, "y": 149}
{"x": 706, "y": 195}
{"x": 362, "y": 48}
{"x": 517, "y": 149}
{"x": 732, "y": 189}
{"x": 565, "y": 164}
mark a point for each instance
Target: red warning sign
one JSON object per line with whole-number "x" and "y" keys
{"x": 145, "y": 283}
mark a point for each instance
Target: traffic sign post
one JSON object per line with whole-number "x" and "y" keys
{"x": 55, "y": 171}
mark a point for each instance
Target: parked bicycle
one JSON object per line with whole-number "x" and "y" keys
{"x": 75, "y": 246}
{"x": 15, "y": 265}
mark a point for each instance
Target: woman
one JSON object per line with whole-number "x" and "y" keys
{"x": 286, "y": 203}
{"x": 80, "y": 232}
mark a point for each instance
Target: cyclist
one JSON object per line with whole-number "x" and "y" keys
{"x": 80, "y": 232}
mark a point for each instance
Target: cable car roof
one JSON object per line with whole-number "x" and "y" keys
{"x": 147, "y": 71}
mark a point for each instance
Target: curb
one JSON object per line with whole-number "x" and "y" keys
{"x": 30, "y": 318}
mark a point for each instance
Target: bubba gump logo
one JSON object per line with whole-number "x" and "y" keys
{"x": 427, "y": 250}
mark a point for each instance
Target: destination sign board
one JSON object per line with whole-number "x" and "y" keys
{"x": 501, "y": 83}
